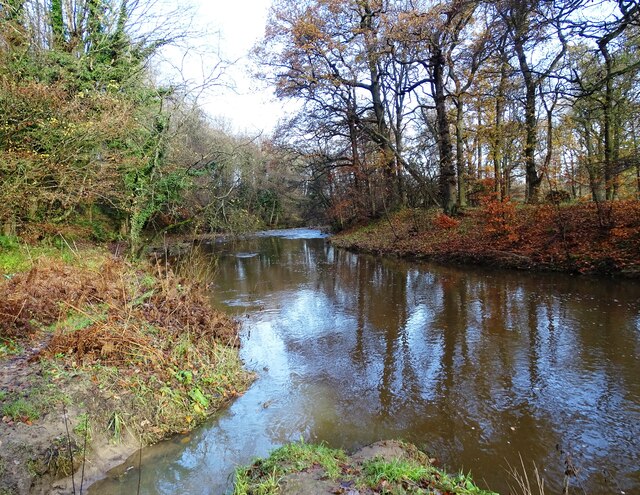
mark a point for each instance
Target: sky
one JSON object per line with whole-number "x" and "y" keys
{"x": 243, "y": 105}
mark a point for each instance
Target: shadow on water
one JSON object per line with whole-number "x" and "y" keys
{"x": 475, "y": 366}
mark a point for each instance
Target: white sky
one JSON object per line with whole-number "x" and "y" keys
{"x": 236, "y": 25}
{"x": 233, "y": 27}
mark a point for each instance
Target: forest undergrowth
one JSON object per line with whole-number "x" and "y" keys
{"x": 587, "y": 238}
{"x": 114, "y": 351}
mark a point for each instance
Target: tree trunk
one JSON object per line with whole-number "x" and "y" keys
{"x": 383, "y": 136}
{"x": 447, "y": 172}
{"x": 606, "y": 124}
{"x": 460, "y": 165}
{"x": 498, "y": 137}
{"x": 531, "y": 137}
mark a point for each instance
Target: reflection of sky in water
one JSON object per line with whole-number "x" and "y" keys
{"x": 293, "y": 234}
{"x": 476, "y": 366}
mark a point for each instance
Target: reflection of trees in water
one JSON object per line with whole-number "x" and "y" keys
{"x": 512, "y": 351}
{"x": 465, "y": 360}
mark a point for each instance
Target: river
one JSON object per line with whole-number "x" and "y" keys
{"x": 477, "y": 367}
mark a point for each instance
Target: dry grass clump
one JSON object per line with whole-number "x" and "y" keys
{"x": 128, "y": 316}
{"x": 159, "y": 356}
{"x": 117, "y": 299}
{"x": 42, "y": 295}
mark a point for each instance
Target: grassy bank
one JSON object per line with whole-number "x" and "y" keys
{"x": 384, "y": 467}
{"x": 98, "y": 352}
{"x": 577, "y": 238}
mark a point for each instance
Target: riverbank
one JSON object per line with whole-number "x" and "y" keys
{"x": 384, "y": 467}
{"x": 579, "y": 238}
{"x": 100, "y": 356}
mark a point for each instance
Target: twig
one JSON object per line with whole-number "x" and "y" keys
{"x": 75, "y": 252}
{"x": 66, "y": 425}
{"x": 84, "y": 451}
{"x": 139, "y": 467}
{"x": 24, "y": 303}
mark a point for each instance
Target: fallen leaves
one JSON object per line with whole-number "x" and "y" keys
{"x": 579, "y": 238}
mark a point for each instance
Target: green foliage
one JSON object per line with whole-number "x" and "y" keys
{"x": 184, "y": 376}
{"x": 8, "y": 242}
{"x": 20, "y": 409}
{"x": 85, "y": 134}
{"x": 264, "y": 475}
{"x": 83, "y": 426}
{"x": 9, "y": 347}
{"x": 81, "y": 126}
{"x": 200, "y": 402}
{"x": 377, "y": 470}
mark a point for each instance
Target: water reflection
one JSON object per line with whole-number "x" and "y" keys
{"x": 476, "y": 366}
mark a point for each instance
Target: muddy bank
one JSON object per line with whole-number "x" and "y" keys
{"x": 383, "y": 467}
{"x": 579, "y": 238}
{"x": 98, "y": 357}
{"x": 36, "y": 449}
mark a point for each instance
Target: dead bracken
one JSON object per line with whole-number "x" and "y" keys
{"x": 132, "y": 348}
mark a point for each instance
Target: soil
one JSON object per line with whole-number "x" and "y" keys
{"x": 34, "y": 453}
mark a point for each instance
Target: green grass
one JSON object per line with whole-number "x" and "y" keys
{"x": 43, "y": 397}
{"x": 410, "y": 473}
{"x": 9, "y": 347}
{"x": 16, "y": 257}
{"x": 378, "y": 470}
{"x": 263, "y": 477}
{"x": 76, "y": 320}
{"x": 20, "y": 409}
{"x": 116, "y": 426}
{"x": 21, "y": 258}
{"x": 421, "y": 478}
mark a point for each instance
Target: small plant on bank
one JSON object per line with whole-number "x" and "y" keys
{"x": 523, "y": 484}
{"x": 264, "y": 475}
{"x": 83, "y": 427}
{"x": 116, "y": 426}
{"x": 411, "y": 472}
{"x": 21, "y": 410}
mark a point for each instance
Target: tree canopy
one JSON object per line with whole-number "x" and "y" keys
{"x": 420, "y": 102}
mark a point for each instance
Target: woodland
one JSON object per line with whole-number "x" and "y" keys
{"x": 504, "y": 132}
{"x": 403, "y": 103}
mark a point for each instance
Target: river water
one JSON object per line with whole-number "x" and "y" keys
{"x": 477, "y": 367}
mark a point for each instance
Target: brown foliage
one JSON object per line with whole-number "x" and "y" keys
{"x": 443, "y": 221}
{"x": 130, "y": 318}
{"x": 499, "y": 217}
{"x": 42, "y": 295}
{"x": 549, "y": 237}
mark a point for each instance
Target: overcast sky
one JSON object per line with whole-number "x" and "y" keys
{"x": 240, "y": 24}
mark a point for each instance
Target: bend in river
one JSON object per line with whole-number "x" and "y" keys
{"x": 477, "y": 367}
